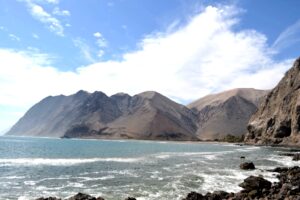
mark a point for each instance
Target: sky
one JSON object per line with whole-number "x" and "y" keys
{"x": 184, "y": 49}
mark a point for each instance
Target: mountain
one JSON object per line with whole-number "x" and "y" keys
{"x": 226, "y": 112}
{"x": 148, "y": 115}
{"x": 277, "y": 120}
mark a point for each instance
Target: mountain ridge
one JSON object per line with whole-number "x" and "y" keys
{"x": 147, "y": 115}
{"x": 226, "y": 113}
{"x": 97, "y": 115}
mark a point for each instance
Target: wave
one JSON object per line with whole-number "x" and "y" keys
{"x": 283, "y": 160}
{"x": 62, "y": 161}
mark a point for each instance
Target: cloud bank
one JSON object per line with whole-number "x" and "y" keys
{"x": 204, "y": 56}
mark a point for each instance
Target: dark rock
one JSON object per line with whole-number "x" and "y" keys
{"x": 247, "y": 166}
{"x": 130, "y": 198}
{"x": 48, "y": 198}
{"x": 296, "y": 157}
{"x": 279, "y": 169}
{"x": 81, "y": 196}
{"x": 255, "y": 183}
{"x": 242, "y": 157}
{"x": 217, "y": 195}
{"x": 194, "y": 196}
{"x": 287, "y": 154}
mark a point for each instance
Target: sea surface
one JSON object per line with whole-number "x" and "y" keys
{"x": 35, "y": 167}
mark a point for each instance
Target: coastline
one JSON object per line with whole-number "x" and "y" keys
{"x": 236, "y": 157}
{"x": 254, "y": 187}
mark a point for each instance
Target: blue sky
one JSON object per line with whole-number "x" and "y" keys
{"x": 184, "y": 49}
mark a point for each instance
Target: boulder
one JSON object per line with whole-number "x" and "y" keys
{"x": 217, "y": 195}
{"x": 194, "y": 196}
{"x": 296, "y": 157}
{"x": 247, "y": 166}
{"x": 255, "y": 183}
{"x": 81, "y": 196}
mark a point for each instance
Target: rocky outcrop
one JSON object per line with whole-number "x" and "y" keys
{"x": 226, "y": 113}
{"x": 296, "y": 157}
{"x": 247, "y": 166}
{"x": 255, "y": 187}
{"x": 80, "y": 196}
{"x": 147, "y": 115}
{"x": 277, "y": 120}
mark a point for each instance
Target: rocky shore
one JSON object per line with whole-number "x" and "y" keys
{"x": 254, "y": 188}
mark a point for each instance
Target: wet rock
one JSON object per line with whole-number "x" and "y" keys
{"x": 255, "y": 183}
{"x": 287, "y": 154}
{"x": 194, "y": 196}
{"x": 296, "y": 157}
{"x": 81, "y": 196}
{"x": 217, "y": 195}
{"x": 247, "y": 166}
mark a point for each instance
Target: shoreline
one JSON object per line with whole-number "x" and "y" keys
{"x": 282, "y": 148}
{"x": 159, "y": 141}
{"x": 254, "y": 187}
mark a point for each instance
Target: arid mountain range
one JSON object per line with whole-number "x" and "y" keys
{"x": 148, "y": 115}
{"x": 226, "y": 113}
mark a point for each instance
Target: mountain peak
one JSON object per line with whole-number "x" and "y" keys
{"x": 250, "y": 94}
{"x": 150, "y": 94}
{"x": 227, "y": 112}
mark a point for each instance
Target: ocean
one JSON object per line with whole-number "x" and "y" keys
{"x": 116, "y": 169}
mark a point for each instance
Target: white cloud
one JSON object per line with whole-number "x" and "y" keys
{"x": 101, "y": 41}
{"x": 85, "y": 50}
{"x": 207, "y": 55}
{"x": 288, "y": 37}
{"x": 52, "y": 1}
{"x": 97, "y": 35}
{"x": 35, "y": 36}
{"x": 14, "y": 37}
{"x": 59, "y": 12}
{"x": 100, "y": 53}
{"x": 52, "y": 23}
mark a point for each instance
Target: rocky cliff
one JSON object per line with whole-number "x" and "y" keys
{"x": 226, "y": 112}
{"x": 277, "y": 120}
{"x": 148, "y": 115}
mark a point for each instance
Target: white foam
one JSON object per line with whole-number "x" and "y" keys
{"x": 75, "y": 184}
{"x": 62, "y": 161}
{"x": 29, "y": 183}
{"x": 163, "y": 156}
{"x": 247, "y": 149}
{"x": 13, "y": 177}
{"x": 23, "y": 198}
{"x": 283, "y": 160}
{"x": 86, "y": 179}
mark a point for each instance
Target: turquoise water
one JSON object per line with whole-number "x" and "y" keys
{"x": 35, "y": 167}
